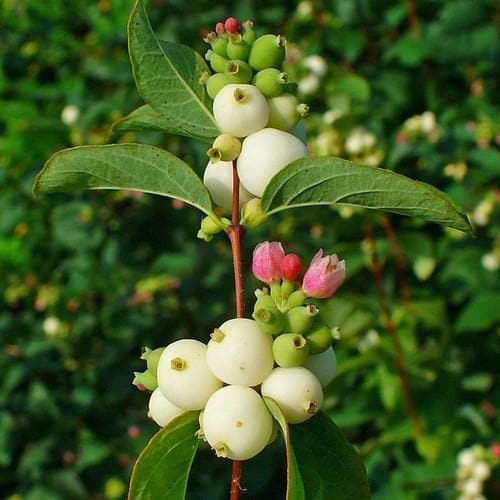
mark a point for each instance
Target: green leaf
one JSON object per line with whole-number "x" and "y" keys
{"x": 294, "y": 486}
{"x": 481, "y": 313}
{"x": 146, "y": 119}
{"x": 321, "y": 463}
{"x": 162, "y": 469}
{"x": 327, "y": 180}
{"x": 167, "y": 78}
{"x": 123, "y": 166}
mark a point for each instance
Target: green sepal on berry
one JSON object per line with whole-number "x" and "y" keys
{"x": 290, "y": 349}
{"x": 145, "y": 381}
{"x": 268, "y": 51}
{"x": 152, "y": 357}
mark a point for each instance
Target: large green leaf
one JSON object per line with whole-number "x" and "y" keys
{"x": 321, "y": 463}
{"x": 145, "y": 118}
{"x": 328, "y": 180}
{"x": 123, "y": 166}
{"x": 167, "y": 77}
{"x": 162, "y": 469}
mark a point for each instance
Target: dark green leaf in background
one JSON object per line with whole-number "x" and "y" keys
{"x": 328, "y": 180}
{"x": 161, "y": 471}
{"x": 123, "y": 166}
{"x": 167, "y": 76}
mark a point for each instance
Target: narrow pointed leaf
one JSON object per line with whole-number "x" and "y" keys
{"x": 163, "y": 467}
{"x": 328, "y": 180}
{"x": 146, "y": 119}
{"x": 167, "y": 78}
{"x": 123, "y": 166}
{"x": 294, "y": 485}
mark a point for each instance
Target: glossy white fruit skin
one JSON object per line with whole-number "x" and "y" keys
{"x": 264, "y": 154}
{"x": 323, "y": 365}
{"x": 218, "y": 179}
{"x": 296, "y": 391}
{"x": 240, "y": 118}
{"x": 190, "y": 387}
{"x": 161, "y": 410}
{"x": 237, "y": 417}
{"x": 244, "y": 356}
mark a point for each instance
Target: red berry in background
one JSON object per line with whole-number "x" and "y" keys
{"x": 290, "y": 267}
{"x": 231, "y": 25}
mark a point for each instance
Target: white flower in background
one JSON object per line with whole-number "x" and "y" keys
{"x": 482, "y": 213}
{"x": 456, "y": 171}
{"x": 70, "y": 114}
{"x": 371, "y": 339}
{"x": 359, "y": 140}
{"x": 308, "y": 85}
{"x": 472, "y": 470}
{"x": 481, "y": 471}
{"x": 51, "y": 326}
{"x": 315, "y": 64}
{"x": 304, "y": 10}
{"x": 466, "y": 458}
{"x": 490, "y": 261}
{"x": 331, "y": 115}
{"x": 413, "y": 124}
{"x": 428, "y": 122}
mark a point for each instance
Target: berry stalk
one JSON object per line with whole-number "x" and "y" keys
{"x": 235, "y": 233}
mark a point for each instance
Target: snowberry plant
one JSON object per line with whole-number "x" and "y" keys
{"x": 268, "y": 368}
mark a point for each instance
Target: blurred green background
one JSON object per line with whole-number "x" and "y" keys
{"x": 88, "y": 280}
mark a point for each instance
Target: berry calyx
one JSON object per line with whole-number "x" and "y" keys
{"x": 225, "y": 148}
{"x": 239, "y": 70}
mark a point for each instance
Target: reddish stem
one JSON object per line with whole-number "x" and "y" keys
{"x": 235, "y": 233}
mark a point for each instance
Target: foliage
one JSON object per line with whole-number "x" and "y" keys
{"x": 89, "y": 280}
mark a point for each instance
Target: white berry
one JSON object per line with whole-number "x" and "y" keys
{"x": 161, "y": 410}
{"x": 322, "y": 365}
{"x": 296, "y": 391}
{"x": 183, "y": 375}
{"x": 237, "y": 423}
{"x": 240, "y": 353}
{"x": 240, "y": 110}
{"x": 264, "y": 154}
{"x": 218, "y": 178}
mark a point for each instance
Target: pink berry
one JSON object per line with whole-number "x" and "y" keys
{"x": 231, "y": 25}
{"x": 219, "y": 28}
{"x": 290, "y": 267}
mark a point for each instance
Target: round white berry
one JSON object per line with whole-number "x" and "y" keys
{"x": 296, "y": 391}
{"x": 218, "y": 178}
{"x": 323, "y": 365}
{"x": 264, "y": 154}
{"x": 240, "y": 110}
{"x": 240, "y": 353}
{"x": 237, "y": 423}
{"x": 161, "y": 410}
{"x": 183, "y": 375}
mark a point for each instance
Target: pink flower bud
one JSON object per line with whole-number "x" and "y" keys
{"x": 324, "y": 276}
{"x": 266, "y": 261}
{"x": 219, "y": 28}
{"x": 231, "y": 25}
{"x": 495, "y": 449}
{"x": 290, "y": 267}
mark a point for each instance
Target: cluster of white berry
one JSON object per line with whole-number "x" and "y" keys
{"x": 285, "y": 353}
{"x": 473, "y": 469}
{"x": 255, "y": 109}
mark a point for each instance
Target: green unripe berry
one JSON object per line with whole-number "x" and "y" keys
{"x": 296, "y": 299}
{"x": 217, "y": 62}
{"x": 216, "y": 83}
{"x": 240, "y": 71}
{"x": 299, "y": 319}
{"x": 268, "y": 51}
{"x": 267, "y": 315}
{"x": 285, "y": 111}
{"x": 248, "y": 33}
{"x": 211, "y": 226}
{"x": 226, "y": 147}
{"x": 237, "y": 48}
{"x": 270, "y": 81}
{"x": 217, "y": 43}
{"x": 290, "y": 349}
{"x": 252, "y": 214}
{"x": 319, "y": 337}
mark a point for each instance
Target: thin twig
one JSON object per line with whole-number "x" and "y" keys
{"x": 413, "y": 18}
{"x": 376, "y": 270}
{"x": 235, "y": 233}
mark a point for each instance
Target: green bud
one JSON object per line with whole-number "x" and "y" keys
{"x": 225, "y": 148}
{"x": 240, "y": 71}
{"x": 319, "y": 337}
{"x": 268, "y": 51}
{"x": 217, "y": 62}
{"x": 296, "y": 299}
{"x": 285, "y": 112}
{"x": 252, "y": 214}
{"x": 217, "y": 43}
{"x": 210, "y": 225}
{"x": 267, "y": 316}
{"x": 152, "y": 357}
{"x": 270, "y": 81}
{"x": 290, "y": 349}
{"x": 248, "y": 33}
{"x": 299, "y": 319}
{"x": 145, "y": 380}
{"x": 287, "y": 287}
{"x": 237, "y": 48}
